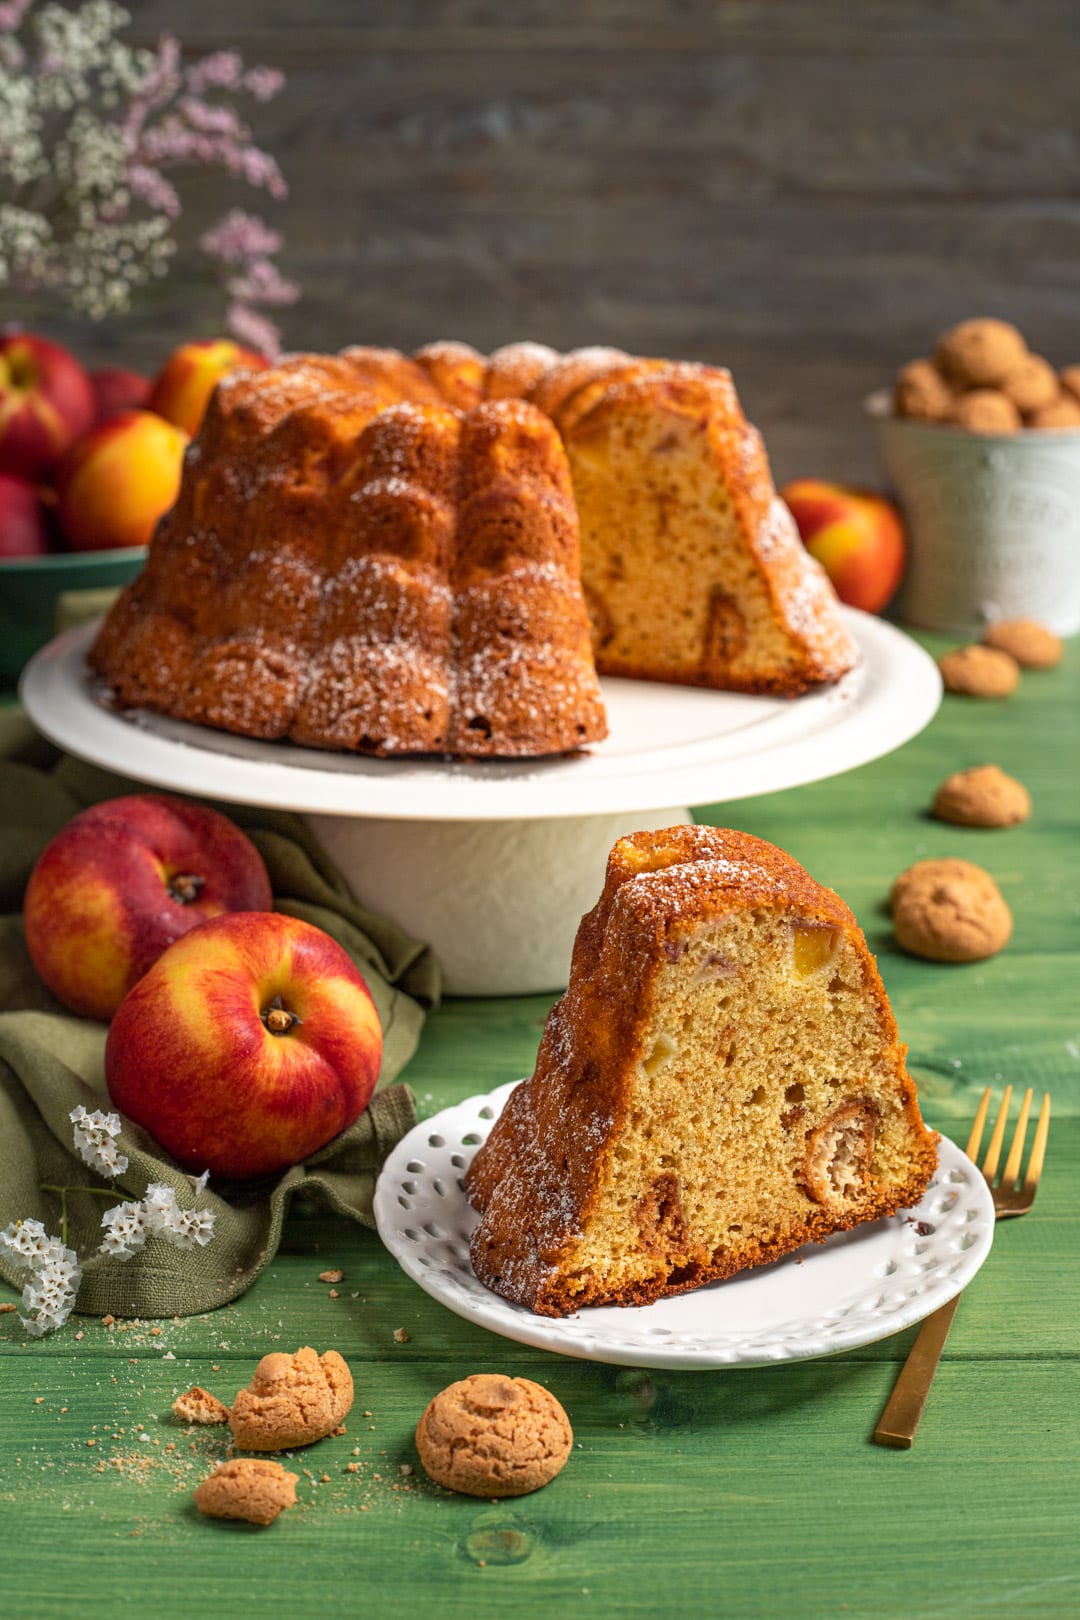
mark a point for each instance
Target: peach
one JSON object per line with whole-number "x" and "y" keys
{"x": 46, "y": 402}
{"x": 856, "y": 535}
{"x": 248, "y": 1046}
{"x": 117, "y": 390}
{"x": 118, "y": 480}
{"x": 182, "y": 388}
{"x": 121, "y": 882}
{"x": 24, "y": 531}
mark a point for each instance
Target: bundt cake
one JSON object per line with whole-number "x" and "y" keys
{"x": 721, "y": 1083}
{"x": 381, "y": 553}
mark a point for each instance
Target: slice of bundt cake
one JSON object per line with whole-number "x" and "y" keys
{"x": 721, "y": 1083}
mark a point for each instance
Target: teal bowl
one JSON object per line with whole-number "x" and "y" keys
{"x": 40, "y": 596}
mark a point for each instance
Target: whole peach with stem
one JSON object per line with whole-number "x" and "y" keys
{"x": 249, "y": 1045}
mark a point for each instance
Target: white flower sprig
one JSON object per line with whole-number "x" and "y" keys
{"x": 55, "y": 1270}
{"x": 95, "y": 1141}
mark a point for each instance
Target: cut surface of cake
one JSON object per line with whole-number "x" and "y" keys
{"x": 381, "y": 553}
{"x": 722, "y": 1082}
{"x": 692, "y": 565}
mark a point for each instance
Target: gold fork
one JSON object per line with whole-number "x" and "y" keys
{"x": 904, "y": 1408}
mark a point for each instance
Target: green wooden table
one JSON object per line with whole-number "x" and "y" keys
{"x": 747, "y": 1493}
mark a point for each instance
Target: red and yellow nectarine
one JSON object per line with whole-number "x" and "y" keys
{"x": 116, "y": 390}
{"x": 24, "y": 531}
{"x": 249, "y": 1045}
{"x": 114, "y": 484}
{"x": 46, "y": 402}
{"x": 182, "y": 388}
{"x": 121, "y": 882}
{"x": 856, "y": 535}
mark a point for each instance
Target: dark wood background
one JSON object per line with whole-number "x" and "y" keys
{"x": 804, "y": 190}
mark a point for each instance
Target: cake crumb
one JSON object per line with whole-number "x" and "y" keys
{"x": 5, "y": 1308}
{"x": 331, "y": 1276}
{"x": 400, "y": 1336}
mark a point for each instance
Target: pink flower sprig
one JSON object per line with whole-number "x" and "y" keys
{"x": 92, "y": 131}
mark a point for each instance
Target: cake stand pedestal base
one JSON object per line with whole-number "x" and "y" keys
{"x": 499, "y": 901}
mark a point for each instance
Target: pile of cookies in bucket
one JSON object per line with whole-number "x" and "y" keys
{"x": 984, "y": 378}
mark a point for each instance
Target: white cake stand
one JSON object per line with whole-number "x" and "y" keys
{"x": 495, "y": 862}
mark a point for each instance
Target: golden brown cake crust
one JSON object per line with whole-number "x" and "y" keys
{"x": 535, "y": 1180}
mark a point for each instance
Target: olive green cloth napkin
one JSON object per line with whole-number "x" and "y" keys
{"x": 50, "y": 1061}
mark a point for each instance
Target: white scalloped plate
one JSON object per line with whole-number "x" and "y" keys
{"x": 849, "y": 1291}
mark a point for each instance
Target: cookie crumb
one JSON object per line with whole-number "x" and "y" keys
{"x": 250, "y": 1488}
{"x": 197, "y": 1405}
{"x": 108, "y": 1321}
{"x": 331, "y": 1276}
{"x": 1031, "y": 644}
{"x": 975, "y": 671}
{"x": 333, "y": 1294}
{"x": 494, "y": 1436}
{"x": 949, "y": 911}
{"x": 400, "y": 1336}
{"x": 983, "y": 796}
{"x": 6, "y": 1308}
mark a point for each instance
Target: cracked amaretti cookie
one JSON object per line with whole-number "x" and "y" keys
{"x": 292, "y": 1401}
{"x": 722, "y": 1082}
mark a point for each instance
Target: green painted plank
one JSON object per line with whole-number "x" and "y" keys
{"x": 741, "y": 1494}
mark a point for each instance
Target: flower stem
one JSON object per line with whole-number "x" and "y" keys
{"x": 95, "y": 1192}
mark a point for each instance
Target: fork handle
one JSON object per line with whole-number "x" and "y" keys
{"x": 904, "y": 1408}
